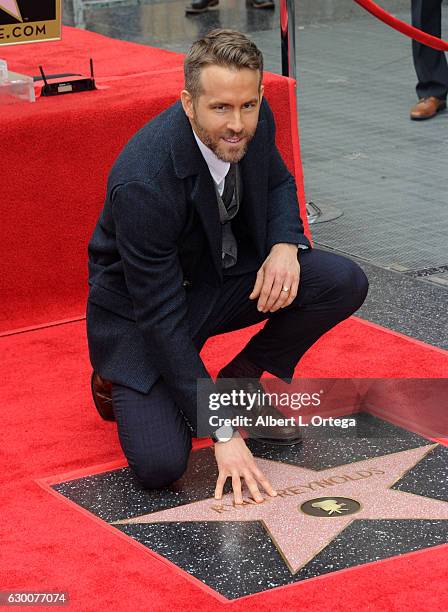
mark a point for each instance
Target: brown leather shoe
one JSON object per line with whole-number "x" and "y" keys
{"x": 102, "y": 396}
{"x": 427, "y": 108}
{"x": 277, "y": 435}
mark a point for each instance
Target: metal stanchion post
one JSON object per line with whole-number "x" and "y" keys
{"x": 288, "y": 35}
{"x": 314, "y": 213}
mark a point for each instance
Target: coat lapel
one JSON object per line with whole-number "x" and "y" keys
{"x": 189, "y": 162}
{"x": 204, "y": 200}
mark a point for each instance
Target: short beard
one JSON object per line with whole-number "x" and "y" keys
{"x": 213, "y": 146}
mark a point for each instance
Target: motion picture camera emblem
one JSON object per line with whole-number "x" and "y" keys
{"x": 330, "y": 506}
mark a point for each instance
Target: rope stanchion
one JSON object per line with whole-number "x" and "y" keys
{"x": 288, "y": 38}
{"x": 402, "y": 26}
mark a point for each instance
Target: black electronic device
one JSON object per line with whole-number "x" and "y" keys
{"x": 70, "y": 83}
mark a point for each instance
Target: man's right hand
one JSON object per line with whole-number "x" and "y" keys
{"x": 234, "y": 459}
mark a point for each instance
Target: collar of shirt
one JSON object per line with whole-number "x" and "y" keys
{"x": 218, "y": 168}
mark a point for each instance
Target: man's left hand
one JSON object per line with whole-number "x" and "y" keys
{"x": 278, "y": 278}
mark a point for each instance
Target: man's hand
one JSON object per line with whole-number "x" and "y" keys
{"x": 234, "y": 459}
{"x": 280, "y": 270}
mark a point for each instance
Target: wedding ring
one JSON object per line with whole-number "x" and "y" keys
{"x": 285, "y": 289}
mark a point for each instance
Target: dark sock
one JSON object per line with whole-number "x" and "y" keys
{"x": 241, "y": 367}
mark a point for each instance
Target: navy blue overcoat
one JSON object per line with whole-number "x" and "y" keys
{"x": 155, "y": 254}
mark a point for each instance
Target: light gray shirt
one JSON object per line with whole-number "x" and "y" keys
{"x": 218, "y": 168}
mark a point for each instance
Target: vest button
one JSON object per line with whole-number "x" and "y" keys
{"x": 186, "y": 283}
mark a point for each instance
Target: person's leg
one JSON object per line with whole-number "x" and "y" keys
{"x": 430, "y": 65}
{"x": 153, "y": 434}
{"x": 331, "y": 288}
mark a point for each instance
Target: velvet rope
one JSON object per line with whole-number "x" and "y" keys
{"x": 403, "y": 27}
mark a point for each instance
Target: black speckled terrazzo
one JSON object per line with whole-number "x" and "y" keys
{"x": 222, "y": 555}
{"x": 434, "y": 470}
{"x": 240, "y": 557}
{"x": 373, "y": 438}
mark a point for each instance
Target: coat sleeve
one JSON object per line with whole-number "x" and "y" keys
{"x": 284, "y": 223}
{"x": 147, "y": 228}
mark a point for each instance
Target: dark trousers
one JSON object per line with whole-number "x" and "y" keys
{"x": 153, "y": 433}
{"x": 430, "y": 65}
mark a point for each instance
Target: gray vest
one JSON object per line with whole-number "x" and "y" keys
{"x": 226, "y": 214}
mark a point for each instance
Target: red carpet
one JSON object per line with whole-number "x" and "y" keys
{"x": 77, "y": 46}
{"x": 69, "y": 144}
{"x": 50, "y": 427}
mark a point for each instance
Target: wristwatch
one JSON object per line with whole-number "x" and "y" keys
{"x": 223, "y": 434}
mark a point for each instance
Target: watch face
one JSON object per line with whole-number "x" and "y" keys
{"x": 224, "y": 433}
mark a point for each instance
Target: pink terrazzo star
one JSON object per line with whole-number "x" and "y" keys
{"x": 11, "y": 7}
{"x": 298, "y": 536}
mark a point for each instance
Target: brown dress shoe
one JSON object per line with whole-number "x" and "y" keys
{"x": 102, "y": 396}
{"x": 277, "y": 435}
{"x": 427, "y": 108}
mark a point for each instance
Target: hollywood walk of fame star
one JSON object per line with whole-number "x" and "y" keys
{"x": 11, "y": 7}
{"x": 298, "y": 536}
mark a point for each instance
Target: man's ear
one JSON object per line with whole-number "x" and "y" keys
{"x": 187, "y": 103}
{"x": 261, "y": 92}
